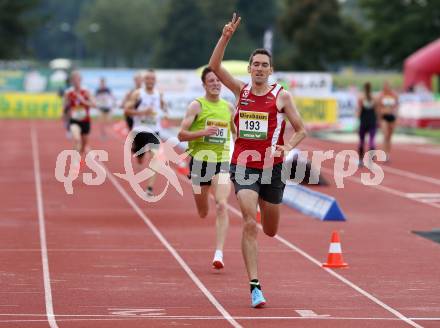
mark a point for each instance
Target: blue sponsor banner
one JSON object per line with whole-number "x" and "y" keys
{"x": 312, "y": 203}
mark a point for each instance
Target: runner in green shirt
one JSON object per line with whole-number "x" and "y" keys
{"x": 207, "y": 127}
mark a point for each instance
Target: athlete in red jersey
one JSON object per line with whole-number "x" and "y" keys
{"x": 259, "y": 148}
{"x": 77, "y": 103}
{"x": 261, "y": 125}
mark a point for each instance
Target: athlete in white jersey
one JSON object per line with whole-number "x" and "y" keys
{"x": 144, "y": 106}
{"x": 148, "y": 122}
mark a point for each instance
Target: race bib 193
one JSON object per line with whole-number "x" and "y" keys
{"x": 253, "y": 125}
{"x": 222, "y": 133}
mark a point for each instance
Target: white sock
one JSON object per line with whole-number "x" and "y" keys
{"x": 218, "y": 254}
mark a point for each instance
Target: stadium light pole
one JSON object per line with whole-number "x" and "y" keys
{"x": 268, "y": 40}
{"x": 92, "y": 29}
{"x": 66, "y": 27}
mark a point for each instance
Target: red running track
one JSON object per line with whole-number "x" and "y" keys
{"x": 116, "y": 261}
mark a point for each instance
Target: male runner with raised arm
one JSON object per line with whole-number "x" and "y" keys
{"x": 259, "y": 150}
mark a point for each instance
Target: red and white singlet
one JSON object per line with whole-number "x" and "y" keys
{"x": 78, "y": 110}
{"x": 260, "y": 127}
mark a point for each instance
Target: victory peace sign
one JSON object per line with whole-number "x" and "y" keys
{"x": 230, "y": 28}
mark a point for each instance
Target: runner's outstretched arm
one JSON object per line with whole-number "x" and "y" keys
{"x": 191, "y": 114}
{"x": 66, "y": 106}
{"x": 217, "y": 56}
{"x": 130, "y": 104}
{"x": 88, "y": 101}
{"x": 294, "y": 118}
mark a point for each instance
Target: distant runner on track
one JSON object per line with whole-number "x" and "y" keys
{"x": 143, "y": 106}
{"x": 138, "y": 81}
{"x": 77, "y": 103}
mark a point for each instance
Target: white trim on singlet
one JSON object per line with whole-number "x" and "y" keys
{"x": 276, "y": 90}
{"x": 280, "y": 118}
{"x": 246, "y": 88}
{"x": 276, "y": 133}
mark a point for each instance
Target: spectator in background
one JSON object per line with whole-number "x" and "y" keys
{"x": 138, "y": 80}
{"x": 105, "y": 102}
{"x": 367, "y": 114}
{"x": 388, "y": 103}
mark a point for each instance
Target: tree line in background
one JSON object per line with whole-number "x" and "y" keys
{"x": 307, "y": 34}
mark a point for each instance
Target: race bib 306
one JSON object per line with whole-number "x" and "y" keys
{"x": 222, "y": 133}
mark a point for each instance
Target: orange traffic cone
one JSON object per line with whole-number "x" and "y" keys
{"x": 182, "y": 168}
{"x": 334, "y": 259}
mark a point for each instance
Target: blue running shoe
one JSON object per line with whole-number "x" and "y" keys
{"x": 257, "y": 298}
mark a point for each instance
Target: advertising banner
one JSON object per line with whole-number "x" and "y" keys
{"x": 318, "y": 111}
{"x": 25, "y": 105}
{"x": 11, "y": 80}
{"x": 305, "y": 84}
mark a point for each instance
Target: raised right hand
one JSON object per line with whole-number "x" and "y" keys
{"x": 230, "y": 28}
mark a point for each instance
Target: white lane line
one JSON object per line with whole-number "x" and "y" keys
{"x": 425, "y": 197}
{"x": 395, "y": 171}
{"x": 384, "y": 189}
{"x": 331, "y": 272}
{"x": 411, "y": 175}
{"x": 336, "y": 275}
{"x": 310, "y": 314}
{"x": 183, "y": 317}
{"x": 427, "y": 200}
{"x": 429, "y": 151}
{"x": 173, "y": 252}
{"x": 130, "y": 250}
{"x": 44, "y": 257}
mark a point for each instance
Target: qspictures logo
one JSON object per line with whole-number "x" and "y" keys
{"x": 67, "y": 168}
{"x": 346, "y": 164}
